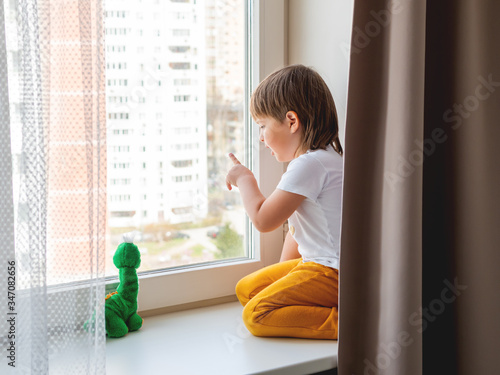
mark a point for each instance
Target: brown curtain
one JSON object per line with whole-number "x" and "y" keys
{"x": 421, "y": 211}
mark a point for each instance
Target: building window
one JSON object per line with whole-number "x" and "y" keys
{"x": 121, "y": 165}
{"x": 179, "y": 49}
{"x": 181, "y": 98}
{"x": 120, "y": 198}
{"x": 118, "y": 116}
{"x": 180, "y": 65}
{"x": 180, "y": 32}
{"x": 120, "y": 148}
{"x": 122, "y": 213}
{"x": 120, "y": 181}
{"x": 182, "y": 210}
{"x": 182, "y": 81}
{"x": 182, "y": 163}
{"x": 185, "y": 178}
{"x": 183, "y": 130}
{"x": 117, "y": 82}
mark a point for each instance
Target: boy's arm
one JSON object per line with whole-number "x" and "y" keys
{"x": 266, "y": 214}
{"x": 290, "y": 248}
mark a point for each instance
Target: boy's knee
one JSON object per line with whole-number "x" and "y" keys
{"x": 250, "y": 320}
{"x": 241, "y": 292}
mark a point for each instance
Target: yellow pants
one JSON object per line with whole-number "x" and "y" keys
{"x": 291, "y": 299}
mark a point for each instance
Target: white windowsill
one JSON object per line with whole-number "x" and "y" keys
{"x": 213, "y": 340}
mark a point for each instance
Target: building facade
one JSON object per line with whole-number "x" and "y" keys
{"x": 156, "y": 108}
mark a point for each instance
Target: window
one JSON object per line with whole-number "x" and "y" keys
{"x": 180, "y": 32}
{"x": 182, "y": 163}
{"x": 181, "y": 98}
{"x": 120, "y": 148}
{"x": 117, "y": 116}
{"x": 116, "y": 65}
{"x": 121, "y": 165}
{"x": 115, "y": 14}
{"x": 182, "y": 81}
{"x": 123, "y": 213}
{"x": 195, "y": 145}
{"x": 183, "y": 130}
{"x": 182, "y": 210}
{"x": 187, "y": 192}
{"x": 185, "y": 146}
{"x": 116, "y": 31}
{"x": 117, "y": 99}
{"x": 119, "y": 198}
{"x": 179, "y": 49}
{"x": 110, "y": 48}
{"x": 117, "y": 82}
{"x": 180, "y": 65}
{"x": 120, "y": 181}
{"x": 182, "y": 178}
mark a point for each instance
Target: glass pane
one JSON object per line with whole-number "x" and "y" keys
{"x": 175, "y": 88}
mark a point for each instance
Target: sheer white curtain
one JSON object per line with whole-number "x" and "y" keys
{"x": 52, "y": 186}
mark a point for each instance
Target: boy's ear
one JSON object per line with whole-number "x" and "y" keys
{"x": 293, "y": 121}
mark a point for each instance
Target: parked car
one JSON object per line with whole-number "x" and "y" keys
{"x": 214, "y": 232}
{"x": 174, "y": 235}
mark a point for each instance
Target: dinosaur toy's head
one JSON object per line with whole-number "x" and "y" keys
{"x": 127, "y": 255}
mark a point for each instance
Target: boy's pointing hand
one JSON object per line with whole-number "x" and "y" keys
{"x": 236, "y": 172}
{"x": 233, "y": 158}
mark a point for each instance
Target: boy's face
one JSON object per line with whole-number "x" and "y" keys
{"x": 283, "y": 138}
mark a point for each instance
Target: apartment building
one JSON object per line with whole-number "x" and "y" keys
{"x": 156, "y": 111}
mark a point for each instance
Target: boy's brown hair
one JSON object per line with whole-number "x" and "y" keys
{"x": 302, "y": 90}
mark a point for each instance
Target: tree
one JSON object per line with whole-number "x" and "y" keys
{"x": 229, "y": 243}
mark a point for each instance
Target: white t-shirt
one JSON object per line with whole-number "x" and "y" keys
{"x": 315, "y": 225}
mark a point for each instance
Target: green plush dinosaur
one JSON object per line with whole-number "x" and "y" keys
{"x": 121, "y": 307}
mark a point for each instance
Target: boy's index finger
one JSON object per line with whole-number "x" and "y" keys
{"x": 233, "y": 158}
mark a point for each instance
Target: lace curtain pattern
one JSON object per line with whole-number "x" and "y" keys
{"x": 53, "y": 187}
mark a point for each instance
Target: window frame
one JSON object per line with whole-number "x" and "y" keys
{"x": 163, "y": 289}
{"x": 166, "y": 288}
